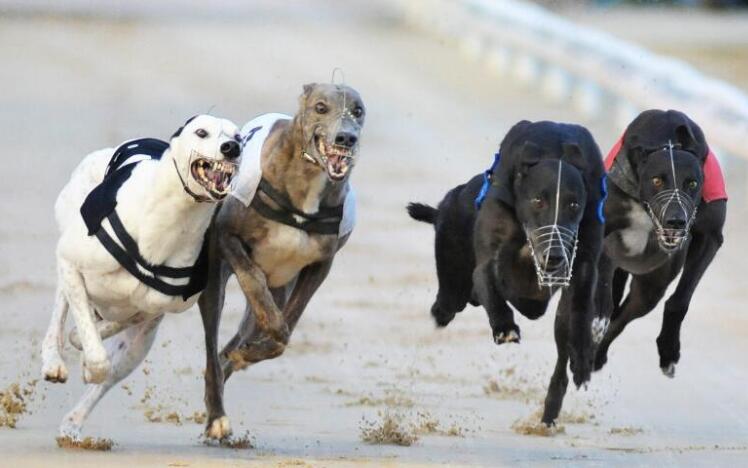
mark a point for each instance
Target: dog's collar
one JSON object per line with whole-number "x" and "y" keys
{"x": 197, "y": 197}
{"x": 325, "y": 221}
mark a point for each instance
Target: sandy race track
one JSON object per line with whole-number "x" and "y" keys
{"x": 366, "y": 345}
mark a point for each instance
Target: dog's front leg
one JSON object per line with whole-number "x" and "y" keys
{"x": 559, "y": 380}
{"x": 268, "y": 317}
{"x": 581, "y": 305}
{"x": 582, "y": 299}
{"x": 490, "y": 252}
{"x": 706, "y": 241}
{"x": 259, "y": 347}
{"x": 604, "y": 304}
{"x": 53, "y": 366}
{"x": 106, "y": 329}
{"x": 96, "y": 365}
{"x": 211, "y": 305}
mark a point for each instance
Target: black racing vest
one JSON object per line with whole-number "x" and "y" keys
{"x": 100, "y": 204}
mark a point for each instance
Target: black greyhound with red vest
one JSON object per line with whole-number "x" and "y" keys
{"x": 665, "y": 214}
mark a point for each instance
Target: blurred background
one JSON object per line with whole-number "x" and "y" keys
{"x": 442, "y": 80}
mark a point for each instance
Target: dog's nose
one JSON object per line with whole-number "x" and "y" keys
{"x": 231, "y": 149}
{"x": 346, "y": 139}
{"x": 675, "y": 223}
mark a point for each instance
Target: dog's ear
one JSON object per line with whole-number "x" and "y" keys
{"x": 529, "y": 155}
{"x": 306, "y": 92}
{"x": 687, "y": 140}
{"x": 179, "y": 130}
{"x": 572, "y": 153}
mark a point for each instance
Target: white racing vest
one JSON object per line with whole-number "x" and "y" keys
{"x": 245, "y": 182}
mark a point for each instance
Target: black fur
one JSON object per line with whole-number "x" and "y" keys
{"x": 651, "y": 271}
{"x": 481, "y": 254}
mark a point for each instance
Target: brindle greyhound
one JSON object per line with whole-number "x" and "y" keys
{"x": 662, "y": 172}
{"x": 282, "y": 245}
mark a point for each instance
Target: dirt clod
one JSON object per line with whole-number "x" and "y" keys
{"x": 390, "y": 430}
{"x": 87, "y": 443}
{"x": 14, "y": 402}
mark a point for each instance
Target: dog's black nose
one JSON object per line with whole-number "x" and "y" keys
{"x": 675, "y": 223}
{"x": 231, "y": 149}
{"x": 346, "y": 139}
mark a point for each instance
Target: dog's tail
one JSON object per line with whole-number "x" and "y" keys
{"x": 422, "y": 212}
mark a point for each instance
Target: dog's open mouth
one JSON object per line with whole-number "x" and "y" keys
{"x": 337, "y": 159}
{"x": 671, "y": 239}
{"x": 215, "y": 176}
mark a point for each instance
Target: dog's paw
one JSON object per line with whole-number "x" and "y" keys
{"x": 96, "y": 371}
{"x": 69, "y": 430}
{"x": 669, "y": 370}
{"x": 441, "y": 317}
{"x": 601, "y": 358}
{"x": 507, "y": 334}
{"x": 55, "y": 371}
{"x": 599, "y": 327}
{"x": 581, "y": 368}
{"x": 218, "y": 429}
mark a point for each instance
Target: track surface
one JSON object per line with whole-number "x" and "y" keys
{"x": 71, "y": 85}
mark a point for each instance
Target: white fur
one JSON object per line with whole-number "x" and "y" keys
{"x": 636, "y": 236}
{"x": 168, "y": 226}
{"x": 311, "y": 202}
{"x": 599, "y": 327}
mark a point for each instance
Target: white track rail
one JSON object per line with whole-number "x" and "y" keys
{"x": 600, "y": 74}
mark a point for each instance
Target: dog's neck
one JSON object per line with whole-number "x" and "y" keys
{"x": 304, "y": 183}
{"x": 171, "y": 225}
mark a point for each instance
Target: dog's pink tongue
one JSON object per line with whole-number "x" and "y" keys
{"x": 335, "y": 163}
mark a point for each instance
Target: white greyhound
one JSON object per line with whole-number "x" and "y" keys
{"x": 159, "y": 223}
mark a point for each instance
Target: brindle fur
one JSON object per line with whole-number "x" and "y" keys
{"x": 278, "y": 267}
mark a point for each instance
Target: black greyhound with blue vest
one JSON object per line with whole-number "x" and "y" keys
{"x": 131, "y": 249}
{"x": 513, "y": 235}
{"x": 666, "y": 211}
{"x": 292, "y": 209}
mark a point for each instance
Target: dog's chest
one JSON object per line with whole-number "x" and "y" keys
{"x": 284, "y": 251}
{"x": 640, "y": 232}
{"x": 118, "y": 295}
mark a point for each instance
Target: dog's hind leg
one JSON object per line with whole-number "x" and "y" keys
{"x": 559, "y": 380}
{"x": 53, "y": 366}
{"x": 96, "y": 366}
{"x": 701, "y": 252}
{"x": 126, "y": 352}
{"x": 454, "y": 268}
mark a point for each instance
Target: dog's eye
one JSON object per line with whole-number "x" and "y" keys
{"x": 657, "y": 182}
{"x": 574, "y": 206}
{"x": 537, "y": 203}
{"x": 321, "y": 108}
{"x": 201, "y": 132}
{"x": 358, "y": 112}
{"x": 693, "y": 184}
